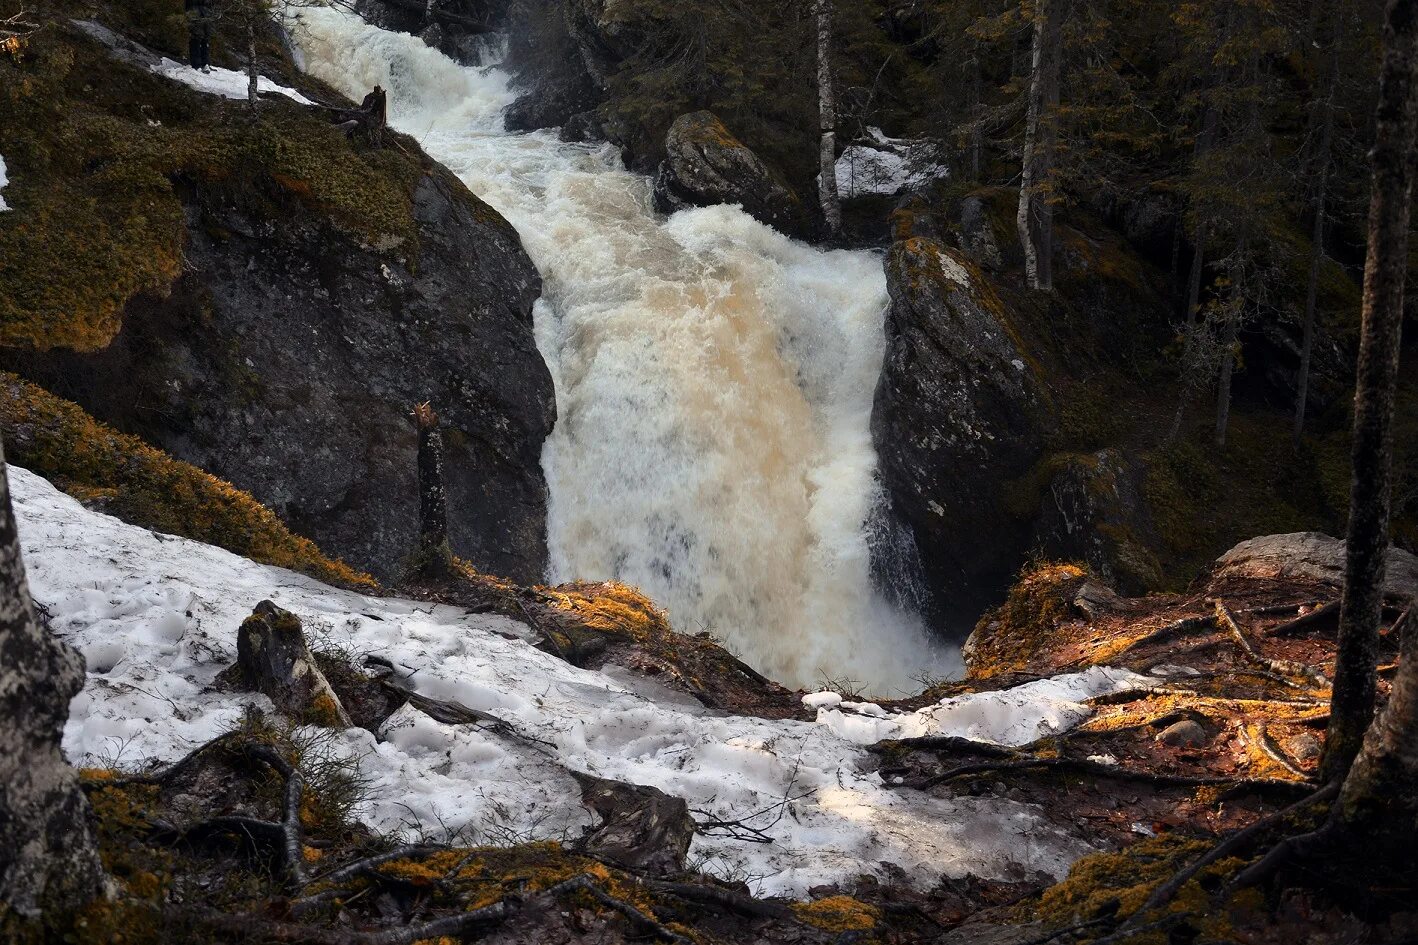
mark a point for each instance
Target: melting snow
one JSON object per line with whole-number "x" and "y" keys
{"x": 156, "y": 617}
{"x": 227, "y": 83}
{"x": 885, "y": 166}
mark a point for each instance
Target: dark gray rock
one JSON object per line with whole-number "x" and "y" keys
{"x": 273, "y": 658}
{"x": 1093, "y": 511}
{"x": 287, "y": 356}
{"x": 958, "y": 411}
{"x": 706, "y": 165}
{"x": 642, "y": 828}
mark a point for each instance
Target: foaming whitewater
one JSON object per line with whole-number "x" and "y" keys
{"x": 714, "y": 381}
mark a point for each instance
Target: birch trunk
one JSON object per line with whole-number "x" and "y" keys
{"x": 827, "y": 121}
{"x": 252, "y": 76}
{"x": 48, "y": 863}
{"x": 1035, "y": 219}
{"x": 1355, "y": 676}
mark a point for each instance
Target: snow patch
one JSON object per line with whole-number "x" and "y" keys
{"x": 156, "y": 616}
{"x": 885, "y": 166}
{"x": 4, "y": 179}
{"x": 1011, "y": 717}
{"x": 227, "y": 83}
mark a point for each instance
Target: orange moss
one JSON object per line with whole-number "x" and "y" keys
{"x": 838, "y": 914}
{"x": 1011, "y": 637}
{"x": 145, "y": 486}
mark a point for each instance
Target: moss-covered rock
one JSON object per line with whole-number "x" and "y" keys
{"x": 326, "y": 284}
{"x": 145, "y": 486}
{"x": 706, "y": 165}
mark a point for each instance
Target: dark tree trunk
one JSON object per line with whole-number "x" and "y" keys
{"x": 434, "y": 556}
{"x": 1352, "y": 704}
{"x": 48, "y": 862}
{"x": 1035, "y": 218}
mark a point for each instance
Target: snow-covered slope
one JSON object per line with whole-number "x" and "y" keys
{"x": 156, "y": 617}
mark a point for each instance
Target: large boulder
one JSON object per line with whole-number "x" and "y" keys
{"x": 287, "y": 355}
{"x": 706, "y": 165}
{"x": 1313, "y": 556}
{"x": 959, "y": 410}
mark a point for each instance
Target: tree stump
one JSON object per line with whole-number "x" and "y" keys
{"x": 273, "y": 658}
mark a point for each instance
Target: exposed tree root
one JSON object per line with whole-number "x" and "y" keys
{"x": 723, "y": 898}
{"x": 1283, "y": 667}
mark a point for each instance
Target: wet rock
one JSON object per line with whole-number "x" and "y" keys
{"x": 642, "y": 828}
{"x": 1183, "y": 734}
{"x": 1310, "y": 555}
{"x": 286, "y": 357}
{"x": 976, "y": 235}
{"x": 272, "y": 658}
{"x": 1305, "y": 747}
{"x": 959, "y": 410}
{"x": 706, "y": 165}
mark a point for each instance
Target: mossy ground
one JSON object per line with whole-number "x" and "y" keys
{"x": 99, "y": 154}
{"x": 145, "y": 486}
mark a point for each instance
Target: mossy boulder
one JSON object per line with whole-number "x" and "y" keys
{"x": 137, "y": 483}
{"x": 706, "y": 165}
{"x": 326, "y": 285}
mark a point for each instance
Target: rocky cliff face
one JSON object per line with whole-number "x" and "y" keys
{"x": 327, "y": 284}
{"x": 287, "y": 356}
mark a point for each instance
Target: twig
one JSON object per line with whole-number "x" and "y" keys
{"x": 350, "y": 870}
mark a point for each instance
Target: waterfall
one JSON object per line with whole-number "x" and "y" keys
{"x": 714, "y": 382}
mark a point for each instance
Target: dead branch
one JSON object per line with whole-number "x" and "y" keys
{"x": 455, "y": 713}
{"x": 1102, "y": 770}
{"x": 1283, "y": 667}
{"x": 351, "y": 870}
{"x": 952, "y": 743}
{"x": 1305, "y": 622}
{"x": 723, "y": 898}
{"x": 292, "y": 834}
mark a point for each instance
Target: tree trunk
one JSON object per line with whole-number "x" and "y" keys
{"x": 1035, "y": 219}
{"x": 1322, "y": 159}
{"x": 1223, "y": 383}
{"x": 1377, "y": 801}
{"x": 434, "y": 556}
{"x": 48, "y": 862}
{"x": 252, "y": 76}
{"x": 977, "y": 131}
{"x": 827, "y": 121}
{"x": 1352, "y": 703}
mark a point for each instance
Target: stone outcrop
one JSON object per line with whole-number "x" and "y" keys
{"x": 706, "y": 165}
{"x": 273, "y": 658}
{"x": 1312, "y": 556}
{"x": 642, "y": 828}
{"x": 959, "y": 410}
{"x": 285, "y": 357}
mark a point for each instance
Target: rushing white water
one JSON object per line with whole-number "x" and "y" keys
{"x": 714, "y": 381}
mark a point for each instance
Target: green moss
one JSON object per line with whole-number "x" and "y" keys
{"x": 98, "y": 152}
{"x": 143, "y": 485}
